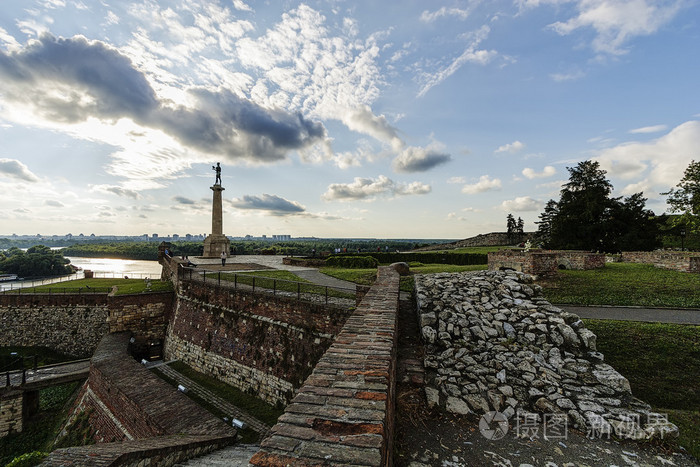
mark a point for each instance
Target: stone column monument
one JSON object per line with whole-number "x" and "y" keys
{"x": 216, "y": 242}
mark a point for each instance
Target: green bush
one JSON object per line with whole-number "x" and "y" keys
{"x": 352, "y": 262}
{"x": 29, "y": 459}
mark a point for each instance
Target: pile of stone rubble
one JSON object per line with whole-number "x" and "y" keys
{"x": 493, "y": 344}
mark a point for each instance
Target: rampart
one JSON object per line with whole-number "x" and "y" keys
{"x": 685, "y": 261}
{"x": 344, "y": 412}
{"x": 127, "y": 403}
{"x": 259, "y": 343}
{"x": 544, "y": 262}
{"x": 74, "y": 323}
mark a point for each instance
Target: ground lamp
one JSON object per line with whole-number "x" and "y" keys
{"x": 682, "y": 238}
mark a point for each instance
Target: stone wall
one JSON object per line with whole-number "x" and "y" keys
{"x": 492, "y": 343}
{"x": 125, "y": 401}
{"x": 544, "y": 262}
{"x": 344, "y": 412}
{"x": 10, "y": 412}
{"x": 74, "y": 323}
{"x": 489, "y": 239}
{"x": 258, "y": 343}
{"x": 684, "y": 261}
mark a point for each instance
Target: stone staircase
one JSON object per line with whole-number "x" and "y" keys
{"x": 233, "y": 456}
{"x": 221, "y": 404}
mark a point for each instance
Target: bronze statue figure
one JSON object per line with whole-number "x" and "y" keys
{"x": 218, "y": 174}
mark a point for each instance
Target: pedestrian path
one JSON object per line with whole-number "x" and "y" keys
{"x": 233, "y": 456}
{"x": 221, "y": 404}
{"x": 649, "y": 315}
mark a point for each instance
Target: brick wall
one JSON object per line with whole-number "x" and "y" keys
{"x": 128, "y": 402}
{"x": 684, "y": 261}
{"x": 10, "y": 412}
{"x": 74, "y": 323}
{"x": 344, "y": 412}
{"x": 544, "y": 262}
{"x": 258, "y": 343}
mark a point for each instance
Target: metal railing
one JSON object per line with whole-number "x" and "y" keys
{"x": 58, "y": 291}
{"x": 11, "y": 377}
{"x": 305, "y": 291}
{"x": 25, "y": 284}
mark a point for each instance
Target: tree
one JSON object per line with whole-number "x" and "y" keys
{"x": 38, "y": 261}
{"x": 630, "y": 226}
{"x": 544, "y": 225}
{"x": 583, "y": 209}
{"x": 511, "y": 226}
{"x": 520, "y": 226}
{"x": 685, "y": 198}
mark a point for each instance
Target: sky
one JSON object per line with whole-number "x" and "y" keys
{"x": 392, "y": 119}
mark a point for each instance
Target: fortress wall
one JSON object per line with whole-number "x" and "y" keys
{"x": 258, "y": 343}
{"x": 684, "y": 261}
{"x": 74, "y": 323}
{"x": 134, "y": 415}
{"x": 344, "y": 412}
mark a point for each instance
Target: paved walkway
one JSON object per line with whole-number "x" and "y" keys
{"x": 650, "y": 315}
{"x": 47, "y": 375}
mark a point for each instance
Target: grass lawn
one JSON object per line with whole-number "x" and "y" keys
{"x": 251, "y": 404}
{"x": 367, "y": 276}
{"x": 279, "y": 280}
{"x": 624, "y": 284}
{"x": 662, "y": 364}
{"x": 124, "y": 286}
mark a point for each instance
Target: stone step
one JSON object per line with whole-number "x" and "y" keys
{"x": 232, "y": 456}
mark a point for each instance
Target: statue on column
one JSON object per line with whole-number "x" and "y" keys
{"x": 218, "y": 174}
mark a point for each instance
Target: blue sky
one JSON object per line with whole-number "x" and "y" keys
{"x": 396, "y": 119}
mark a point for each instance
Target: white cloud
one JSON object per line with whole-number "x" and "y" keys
{"x": 521, "y": 204}
{"x": 548, "y": 171}
{"x": 511, "y": 148}
{"x": 485, "y": 183}
{"x": 458, "y": 180}
{"x": 649, "y": 129}
{"x": 572, "y": 76}
{"x": 54, "y": 203}
{"x": 658, "y": 164}
{"x": 471, "y": 54}
{"x": 370, "y": 188}
{"x": 429, "y": 17}
{"x": 15, "y": 169}
{"x": 615, "y": 22}
{"x": 416, "y": 159}
{"x": 116, "y": 190}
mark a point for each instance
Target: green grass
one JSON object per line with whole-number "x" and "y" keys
{"x": 662, "y": 364}
{"x": 625, "y": 284}
{"x": 368, "y": 276}
{"x": 280, "y": 280}
{"x": 124, "y": 286}
{"x": 251, "y": 404}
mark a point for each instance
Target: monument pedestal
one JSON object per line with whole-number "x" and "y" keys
{"x": 216, "y": 242}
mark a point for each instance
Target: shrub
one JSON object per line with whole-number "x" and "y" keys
{"x": 352, "y": 262}
{"x": 29, "y": 459}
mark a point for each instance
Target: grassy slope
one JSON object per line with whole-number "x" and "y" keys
{"x": 662, "y": 364}
{"x": 124, "y": 286}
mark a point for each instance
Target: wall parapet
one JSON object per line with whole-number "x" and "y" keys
{"x": 684, "y": 261}
{"x": 344, "y": 411}
{"x": 544, "y": 262}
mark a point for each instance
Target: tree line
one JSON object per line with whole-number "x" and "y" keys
{"x": 37, "y": 261}
{"x": 587, "y": 217}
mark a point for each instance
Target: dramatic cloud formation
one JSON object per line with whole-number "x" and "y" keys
{"x": 16, "y": 169}
{"x": 548, "y": 171}
{"x": 72, "y": 80}
{"x": 521, "y": 204}
{"x": 511, "y": 148}
{"x": 370, "y": 188}
{"x": 485, "y": 183}
{"x": 270, "y": 203}
{"x": 414, "y": 159}
{"x": 660, "y": 162}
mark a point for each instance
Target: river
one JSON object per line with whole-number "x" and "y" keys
{"x": 101, "y": 267}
